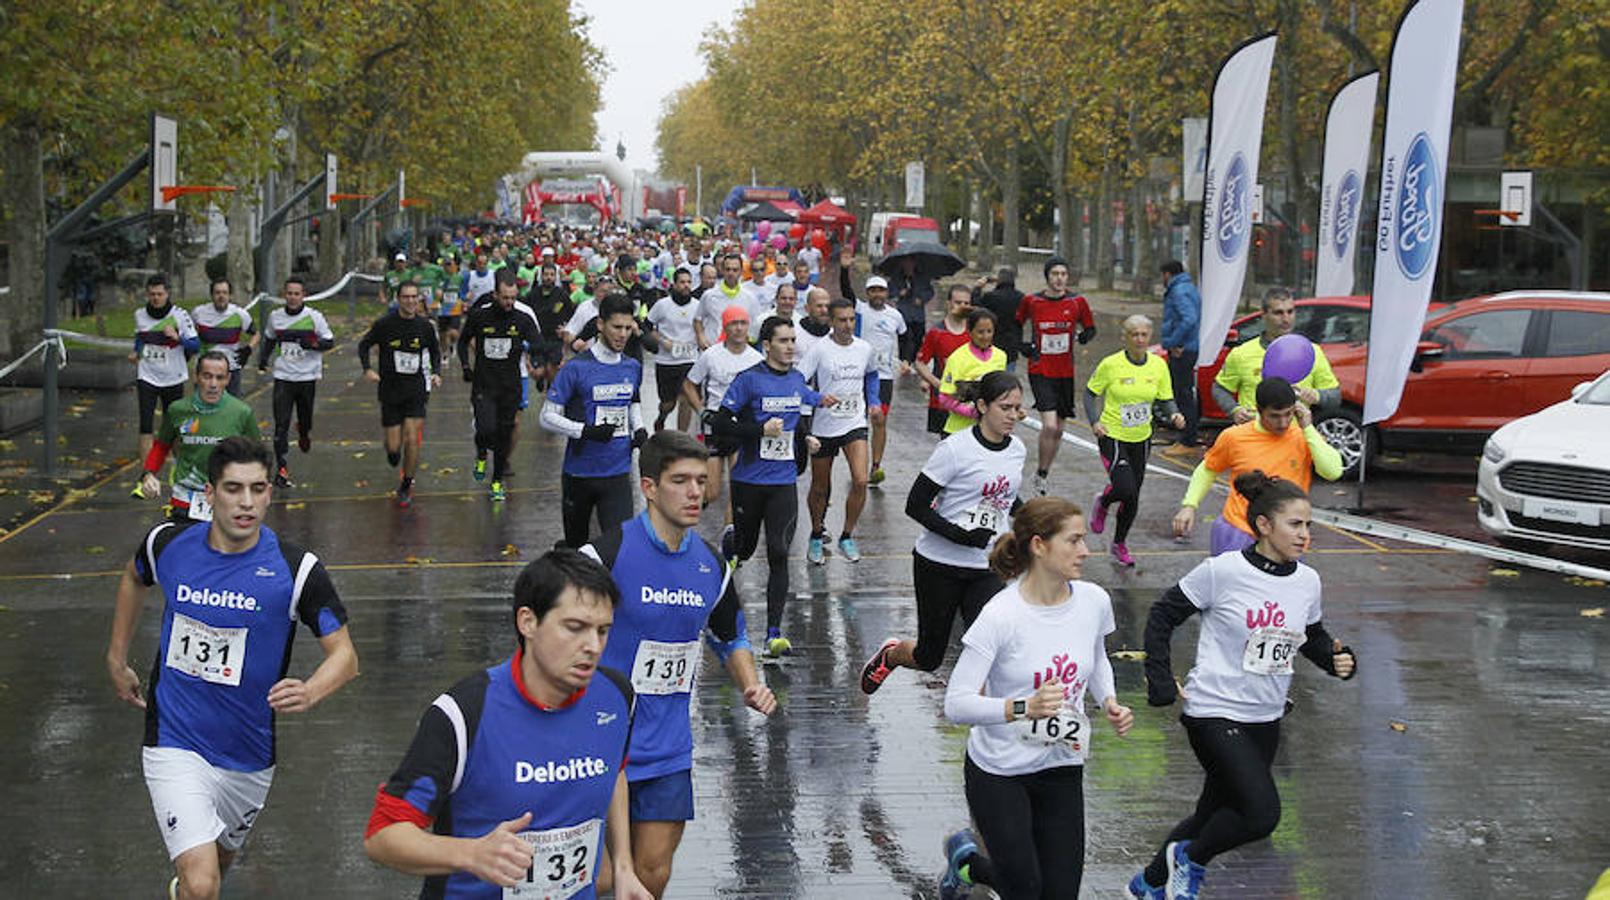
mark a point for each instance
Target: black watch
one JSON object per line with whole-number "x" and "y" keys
{"x": 1020, "y": 708}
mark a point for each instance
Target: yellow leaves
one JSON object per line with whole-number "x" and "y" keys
{"x": 1129, "y": 655}
{"x": 1595, "y": 613}
{"x": 1505, "y": 573}
{"x": 413, "y": 560}
{"x": 509, "y": 550}
{"x": 1397, "y": 726}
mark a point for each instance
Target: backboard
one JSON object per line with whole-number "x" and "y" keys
{"x": 1515, "y": 199}
{"x": 164, "y": 161}
{"x": 330, "y": 189}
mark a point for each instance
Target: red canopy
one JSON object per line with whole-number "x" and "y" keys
{"x": 826, "y": 213}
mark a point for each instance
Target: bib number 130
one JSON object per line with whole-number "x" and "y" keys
{"x": 562, "y": 864}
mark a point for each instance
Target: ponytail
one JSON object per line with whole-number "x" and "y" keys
{"x": 1041, "y": 517}
{"x": 1265, "y": 495}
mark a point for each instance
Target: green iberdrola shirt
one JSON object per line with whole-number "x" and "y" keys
{"x": 191, "y": 430}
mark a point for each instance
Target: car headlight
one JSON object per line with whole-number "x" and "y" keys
{"x": 1493, "y": 453}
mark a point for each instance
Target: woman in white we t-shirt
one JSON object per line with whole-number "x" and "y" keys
{"x": 1259, "y": 608}
{"x": 1028, "y": 662}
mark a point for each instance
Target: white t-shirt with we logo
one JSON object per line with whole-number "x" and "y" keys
{"x": 978, "y": 485}
{"x": 1253, "y": 621}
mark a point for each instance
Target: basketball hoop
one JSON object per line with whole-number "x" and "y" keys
{"x": 415, "y": 201}
{"x": 1502, "y": 215}
{"x": 175, "y": 191}
{"x": 337, "y": 198}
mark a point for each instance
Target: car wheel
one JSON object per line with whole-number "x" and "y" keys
{"x": 1343, "y": 429}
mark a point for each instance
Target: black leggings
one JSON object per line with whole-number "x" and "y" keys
{"x": 1126, "y": 469}
{"x": 942, "y": 591}
{"x": 579, "y": 495}
{"x": 1239, "y": 803}
{"x": 496, "y": 410}
{"x": 152, "y": 400}
{"x": 290, "y": 395}
{"x": 777, "y": 507}
{"x": 1033, "y": 828}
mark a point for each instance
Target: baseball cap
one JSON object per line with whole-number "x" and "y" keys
{"x": 400, "y": 255}
{"x": 547, "y": 251}
{"x": 877, "y": 281}
{"x": 733, "y": 314}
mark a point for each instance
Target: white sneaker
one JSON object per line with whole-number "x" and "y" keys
{"x": 1039, "y": 485}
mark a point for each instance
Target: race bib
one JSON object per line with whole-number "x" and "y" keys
{"x": 1054, "y": 343}
{"x": 778, "y": 448}
{"x": 684, "y": 350}
{"x": 291, "y": 351}
{"x": 885, "y": 360}
{"x": 1069, "y": 727}
{"x": 1270, "y": 651}
{"x": 152, "y": 353}
{"x": 405, "y": 362}
{"x": 202, "y": 651}
{"x": 1132, "y": 415}
{"x": 983, "y": 515}
{"x": 665, "y": 668}
{"x": 497, "y": 348}
{"x": 849, "y": 407}
{"x": 611, "y": 415}
{"x": 562, "y": 864}
{"x": 199, "y": 510}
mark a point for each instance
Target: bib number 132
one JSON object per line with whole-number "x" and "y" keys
{"x": 562, "y": 864}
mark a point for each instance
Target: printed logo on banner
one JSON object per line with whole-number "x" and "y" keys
{"x": 1418, "y": 208}
{"x": 1235, "y": 209}
{"x": 1344, "y": 212}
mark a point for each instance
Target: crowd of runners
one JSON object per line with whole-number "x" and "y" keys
{"x": 564, "y": 770}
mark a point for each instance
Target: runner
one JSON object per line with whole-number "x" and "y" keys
{"x": 1053, "y": 320}
{"x": 550, "y": 300}
{"x": 672, "y": 318}
{"x": 963, "y": 498}
{"x": 881, "y": 325}
{"x": 814, "y": 326}
{"x": 164, "y": 339}
{"x": 1267, "y": 443}
{"x": 937, "y": 346}
{"x": 1029, "y": 661}
{"x": 478, "y": 803}
{"x": 1235, "y": 387}
{"x": 675, "y": 587}
{"x": 1118, "y": 401}
{"x": 502, "y": 336}
{"x": 761, "y": 412}
{"x": 706, "y": 385}
{"x": 450, "y": 312}
{"x": 409, "y": 363}
{"x": 233, "y": 592}
{"x": 761, "y": 289}
{"x": 594, "y": 402}
{"x": 963, "y": 369}
{"x": 479, "y": 281}
{"x": 843, "y": 366}
{"x": 191, "y": 427}
{"x": 430, "y": 278}
{"x": 295, "y": 339}
{"x": 393, "y": 279}
{"x": 223, "y": 326}
{"x": 1258, "y": 606}
{"x": 727, "y": 292}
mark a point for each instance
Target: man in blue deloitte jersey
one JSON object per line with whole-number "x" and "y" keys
{"x": 673, "y": 587}
{"x": 233, "y": 592}
{"x": 517, "y": 775}
{"x": 594, "y": 402}
{"x": 762, "y": 409}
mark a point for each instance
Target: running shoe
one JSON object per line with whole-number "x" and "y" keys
{"x": 304, "y": 439}
{"x": 1140, "y": 890}
{"x": 1179, "y": 450}
{"x": 776, "y": 644}
{"x": 955, "y": 883}
{"x": 480, "y": 470}
{"x": 1184, "y": 876}
{"x": 876, "y": 478}
{"x": 498, "y": 494}
{"x": 1120, "y": 554}
{"x": 405, "y": 496}
{"x": 282, "y": 478}
{"x": 1098, "y": 513}
{"x": 815, "y": 552}
{"x": 877, "y": 668}
{"x": 729, "y": 544}
{"x": 1039, "y": 485}
{"x": 848, "y": 548}
{"x": 139, "y": 491}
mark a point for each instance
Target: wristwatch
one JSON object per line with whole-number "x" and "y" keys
{"x": 1020, "y": 708}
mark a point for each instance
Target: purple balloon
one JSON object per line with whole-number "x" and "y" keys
{"x": 1290, "y": 356}
{"x": 763, "y": 230}
{"x": 754, "y": 249}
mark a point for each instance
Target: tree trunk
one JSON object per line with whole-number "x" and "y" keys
{"x": 1011, "y": 218}
{"x": 238, "y": 250}
{"x": 1298, "y": 205}
{"x": 22, "y": 164}
{"x": 963, "y": 241}
{"x": 331, "y": 243}
{"x": 1145, "y": 261}
{"x": 1063, "y": 194}
{"x": 1101, "y": 225}
{"x": 986, "y": 230}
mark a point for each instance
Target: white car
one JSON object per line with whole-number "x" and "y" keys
{"x": 1545, "y": 477}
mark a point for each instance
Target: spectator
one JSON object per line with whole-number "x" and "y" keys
{"x": 1003, "y": 299}
{"x": 1182, "y": 313}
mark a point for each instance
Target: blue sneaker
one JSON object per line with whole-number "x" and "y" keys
{"x": 954, "y": 885}
{"x": 1140, "y": 890}
{"x": 1184, "y": 876}
{"x": 851, "y": 552}
{"x": 814, "y": 552}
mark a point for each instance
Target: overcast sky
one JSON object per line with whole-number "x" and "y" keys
{"x": 653, "y": 49}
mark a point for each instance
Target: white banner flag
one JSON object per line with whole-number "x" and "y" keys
{"x": 1414, "y": 165}
{"x": 1347, "y": 157}
{"x": 1235, "y": 134}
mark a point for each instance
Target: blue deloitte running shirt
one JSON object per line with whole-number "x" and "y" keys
{"x": 594, "y": 392}
{"x": 758, "y": 394}
{"x": 227, "y": 626}
{"x": 668, "y": 598}
{"x": 487, "y": 751}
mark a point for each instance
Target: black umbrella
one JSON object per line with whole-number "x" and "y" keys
{"x": 932, "y": 260}
{"x": 765, "y": 211}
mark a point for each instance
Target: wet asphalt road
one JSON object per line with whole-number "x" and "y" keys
{"x": 1494, "y": 787}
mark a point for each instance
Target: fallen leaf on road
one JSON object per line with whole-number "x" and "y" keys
{"x": 445, "y": 471}
{"x": 1505, "y": 573}
{"x": 1130, "y": 655}
{"x": 1398, "y": 727}
{"x": 1595, "y": 613}
{"x": 510, "y": 550}
{"x": 8, "y": 446}
{"x": 1471, "y": 499}
{"x": 358, "y": 455}
{"x": 361, "y": 483}
{"x": 417, "y": 560}
{"x": 40, "y": 496}
{"x": 1579, "y": 581}
{"x": 297, "y": 505}
{"x": 93, "y": 551}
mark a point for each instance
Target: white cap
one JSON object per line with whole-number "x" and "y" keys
{"x": 877, "y": 281}
{"x": 547, "y": 251}
{"x": 401, "y": 256}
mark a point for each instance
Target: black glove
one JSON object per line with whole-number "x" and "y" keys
{"x": 1161, "y": 693}
{"x": 469, "y": 374}
{"x": 1087, "y": 334}
{"x": 639, "y": 437}
{"x": 1030, "y": 350}
{"x": 979, "y": 537}
{"x": 1349, "y": 651}
{"x": 597, "y": 432}
{"x": 242, "y": 354}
